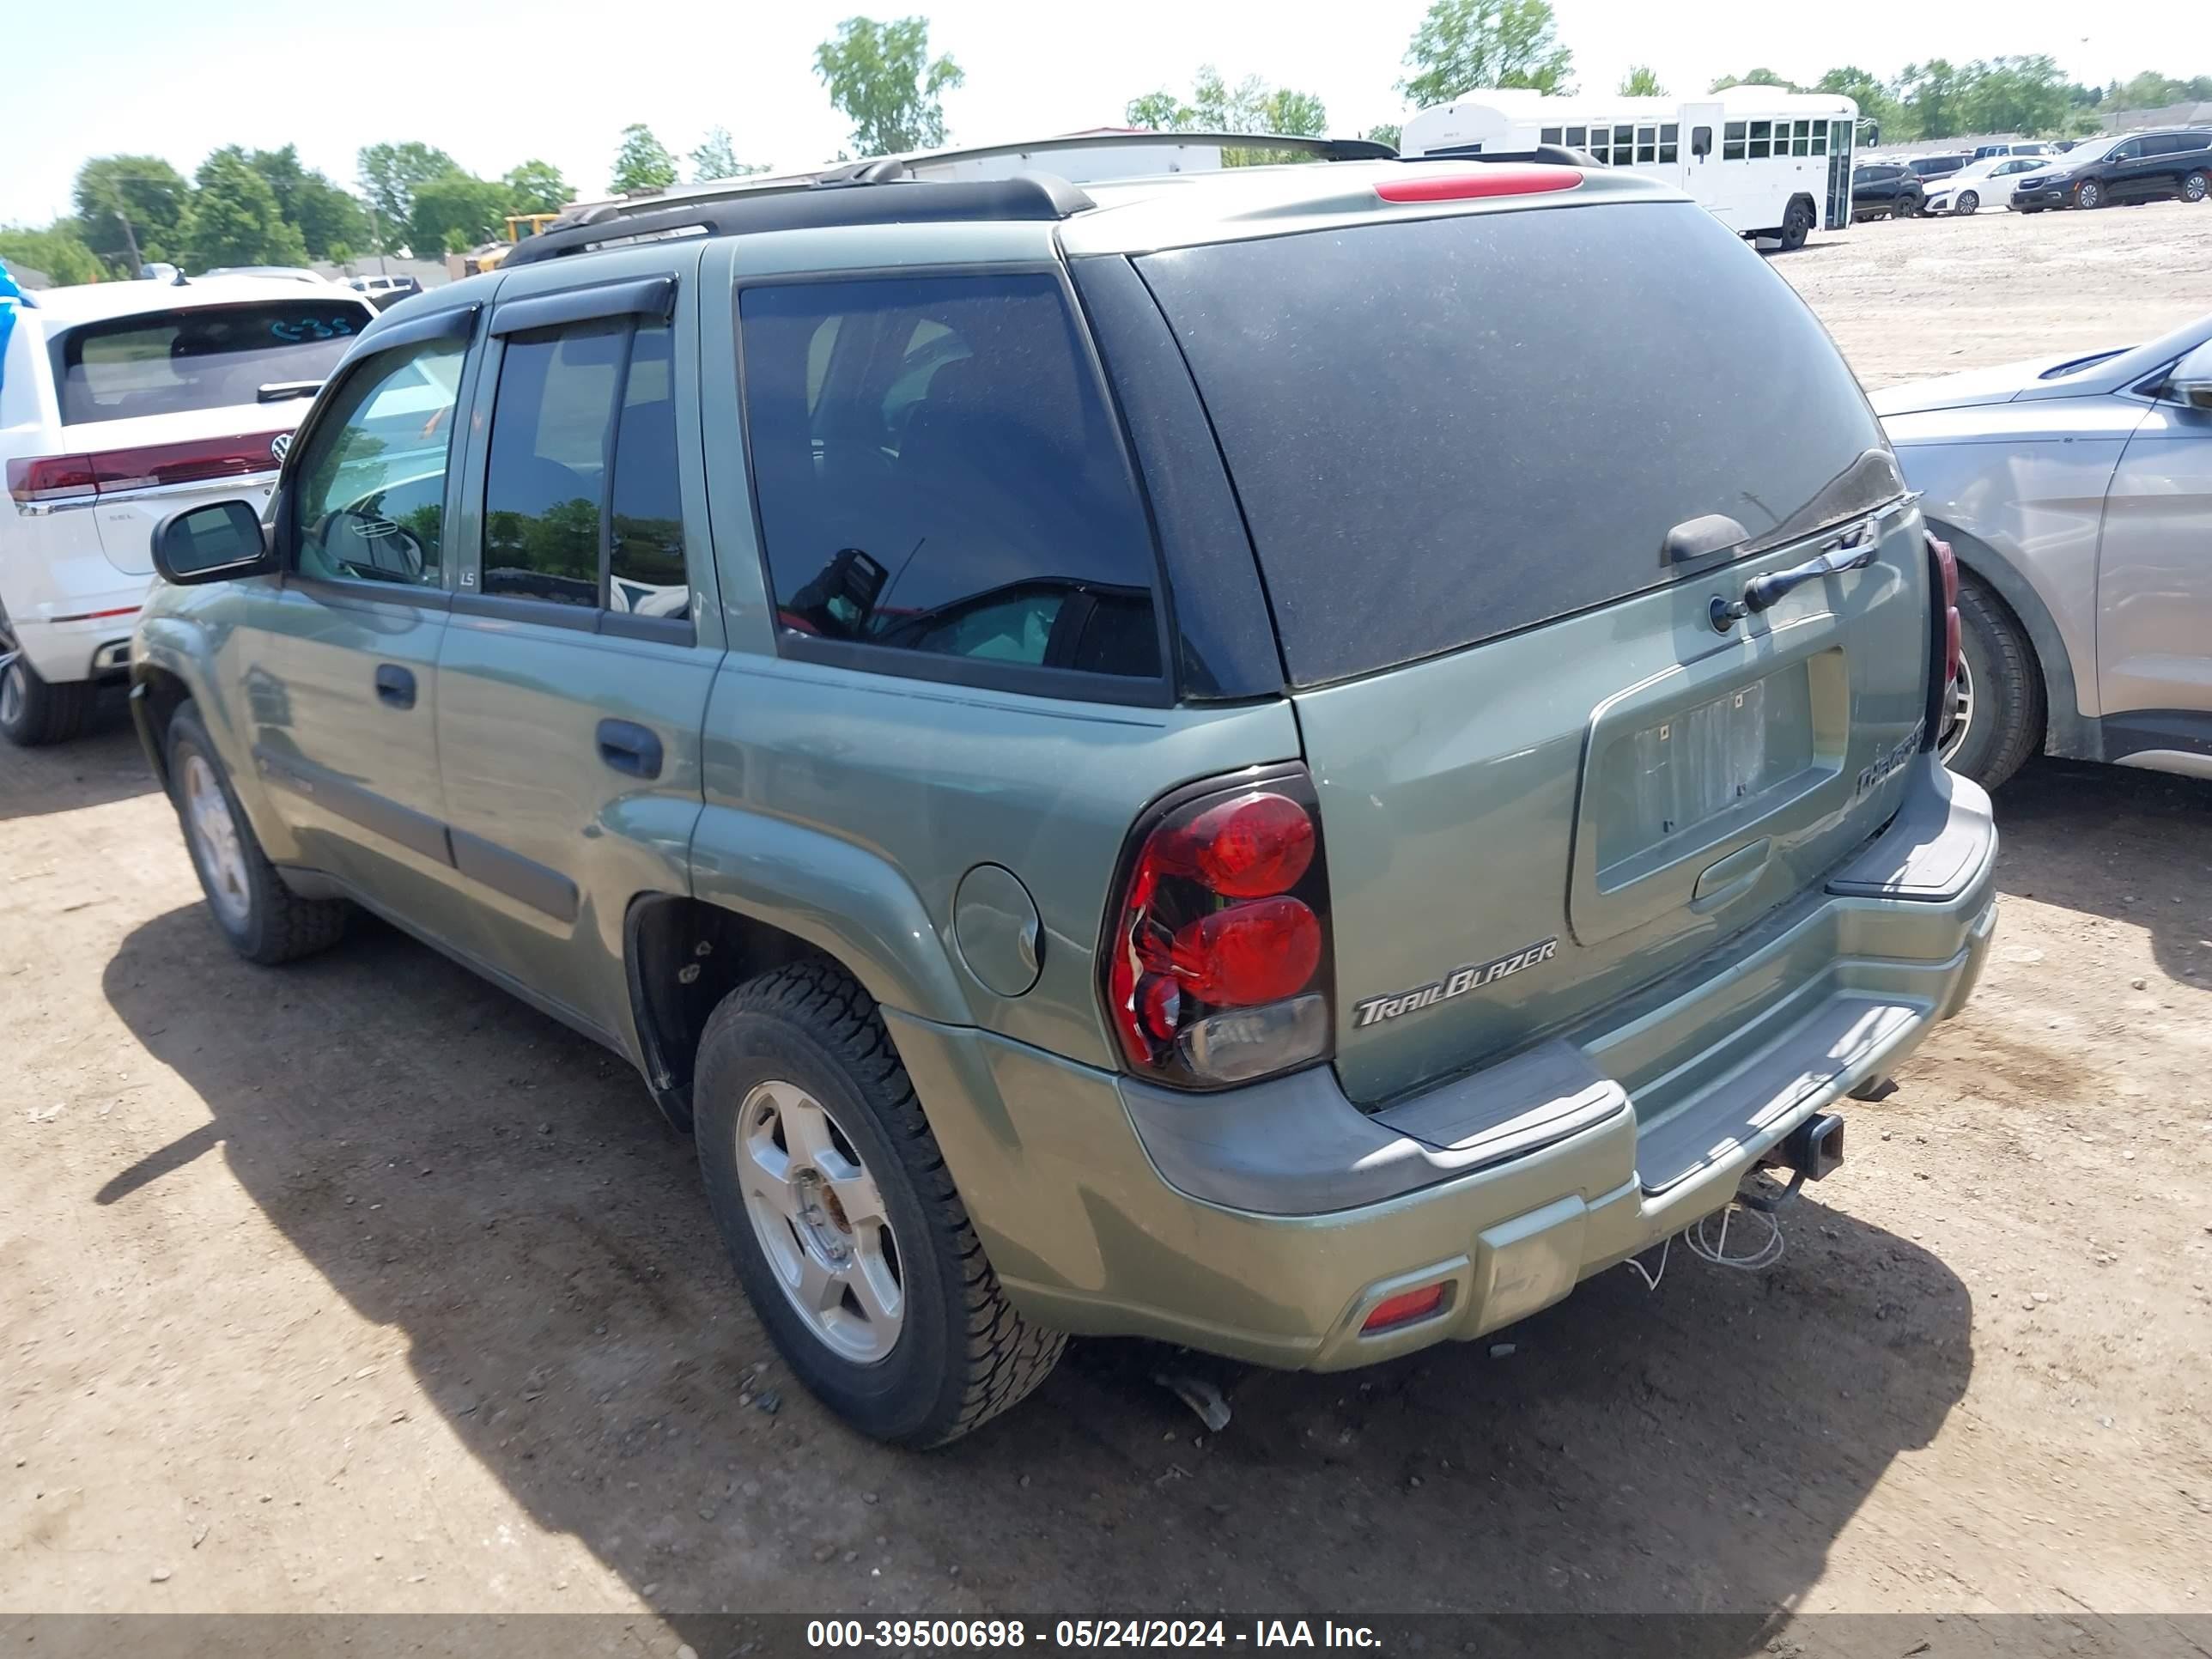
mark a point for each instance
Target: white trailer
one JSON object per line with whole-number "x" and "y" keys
{"x": 1768, "y": 163}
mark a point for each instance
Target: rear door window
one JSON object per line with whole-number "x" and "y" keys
{"x": 212, "y": 357}
{"x": 1435, "y": 443}
{"x": 582, "y": 506}
{"x": 941, "y": 484}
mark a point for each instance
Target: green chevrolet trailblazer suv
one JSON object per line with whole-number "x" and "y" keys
{"x": 1226, "y": 758}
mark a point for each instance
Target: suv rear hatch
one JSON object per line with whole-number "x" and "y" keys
{"x": 1473, "y": 451}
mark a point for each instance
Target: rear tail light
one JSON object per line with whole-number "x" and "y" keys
{"x": 1466, "y": 184}
{"x": 197, "y": 460}
{"x": 1216, "y": 958}
{"x": 50, "y": 477}
{"x": 1944, "y": 640}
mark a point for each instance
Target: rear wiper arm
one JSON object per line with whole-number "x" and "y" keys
{"x": 278, "y": 391}
{"x": 1853, "y": 550}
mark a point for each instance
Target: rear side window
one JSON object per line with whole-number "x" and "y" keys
{"x": 937, "y": 473}
{"x": 582, "y": 502}
{"x": 1435, "y": 443}
{"x": 162, "y": 362}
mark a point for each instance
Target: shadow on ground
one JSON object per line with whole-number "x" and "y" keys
{"x": 2113, "y": 841}
{"x": 105, "y": 765}
{"x": 544, "y": 1248}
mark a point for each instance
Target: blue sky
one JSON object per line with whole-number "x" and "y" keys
{"x": 494, "y": 82}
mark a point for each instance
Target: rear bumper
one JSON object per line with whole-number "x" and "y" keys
{"x": 1266, "y": 1223}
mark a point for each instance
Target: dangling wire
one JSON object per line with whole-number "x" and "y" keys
{"x": 1652, "y": 1279}
{"x": 1764, "y": 1253}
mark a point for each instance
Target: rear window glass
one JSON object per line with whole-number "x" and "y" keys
{"x": 160, "y": 362}
{"x": 938, "y": 472}
{"x": 1437, "y": 439}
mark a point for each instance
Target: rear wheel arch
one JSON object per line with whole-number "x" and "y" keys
{"x": 682, "y": 956}
{"x": 156, "y": 695}
{"x": 2066, "y": 732}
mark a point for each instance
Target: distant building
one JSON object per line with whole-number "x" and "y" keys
{"x": 2173, "y": 115}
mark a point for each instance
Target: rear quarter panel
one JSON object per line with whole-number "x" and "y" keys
{"x": 2028, "y": 481}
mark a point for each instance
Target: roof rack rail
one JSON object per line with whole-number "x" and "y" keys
{"x": 867, "y": 193}
{"x": 1328, "y": 149}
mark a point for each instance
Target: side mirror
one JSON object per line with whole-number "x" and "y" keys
{"x": 2190, "y": 383}
{"x": 211, "y": 544}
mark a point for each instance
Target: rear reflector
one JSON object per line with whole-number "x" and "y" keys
{"x": 1404, "y": 1309}
{"x": 198, "y": 460}
{"x": 1503, "y": 178}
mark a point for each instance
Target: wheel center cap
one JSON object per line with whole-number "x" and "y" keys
{"x": 822, "y": 1218}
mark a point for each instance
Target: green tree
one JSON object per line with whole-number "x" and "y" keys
{"x": 1464, "y": 44}
{"x": 2013, "y": 95}
{"x": 134, "y": 209}
{"x": 1385, "y": 132}
{"x": 1641, "y": 82}
{"x": 389, "y": 175}
{"x": 716, "y": 159}
{"x": 1758, "y": 77}
{"x": 1250, "y": 106}
{"x": 454, "y": 212}
{"x": 1156, "y": 112}
{"x": 642, "y": 164}
{"x": 1927, "y": 99}
{"x": 880, "y": 78}
{"x": 57, "y": 252}
{"x": 1863, "y": 88}
{"x": 326, "y": 216}
{"x": 235, "y": 218}
{"x": 536, "y": 187}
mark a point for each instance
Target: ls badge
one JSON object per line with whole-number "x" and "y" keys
{"x": 1457, "y": 983}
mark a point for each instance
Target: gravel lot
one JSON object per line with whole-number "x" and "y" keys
{"x": 358, "y": 1286}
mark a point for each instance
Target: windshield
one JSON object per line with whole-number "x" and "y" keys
{"x": 2092, "y": 150}
{"x": 1435, "y": 445}
{"x": 164, "y": 362}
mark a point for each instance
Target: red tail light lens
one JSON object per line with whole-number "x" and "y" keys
{"x": 1946, "y": 574}
{"x": 58, "y": 477}
{"x": 50, "y": 477}
{"x": 1216, "y": 958}
{"x": 1496, "y": 179}
{"x": 1261, "y": 951}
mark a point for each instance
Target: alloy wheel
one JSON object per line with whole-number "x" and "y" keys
{"x": 1958, "y": 718}
{"x": 820, "y": 1222}
{"x": 214, "y": 840}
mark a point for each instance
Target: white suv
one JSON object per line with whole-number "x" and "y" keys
{"x": 120, "y": 403}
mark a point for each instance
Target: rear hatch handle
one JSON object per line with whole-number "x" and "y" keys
{"x": 276, "y": 392}
{"x": 1853, "y": 550}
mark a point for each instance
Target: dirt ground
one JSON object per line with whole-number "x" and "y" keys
{"x": 358, "y": 1286}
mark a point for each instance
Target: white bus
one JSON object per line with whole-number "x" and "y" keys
{"x": 1768, "y": 163}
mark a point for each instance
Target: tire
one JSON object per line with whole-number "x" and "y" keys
{"x": 265, "y": 921}
{"x": 805, "y": 1040}
{"x": 2088, "y": 195}
{"x": 1796, "y": 225}
{"x": 1965, "y": 204}
{"x": 35, "y": 712}
{"x": 2004, "y": 726}
{"x": 2196, "y": 186}
{"x": 1907, "y": 207}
